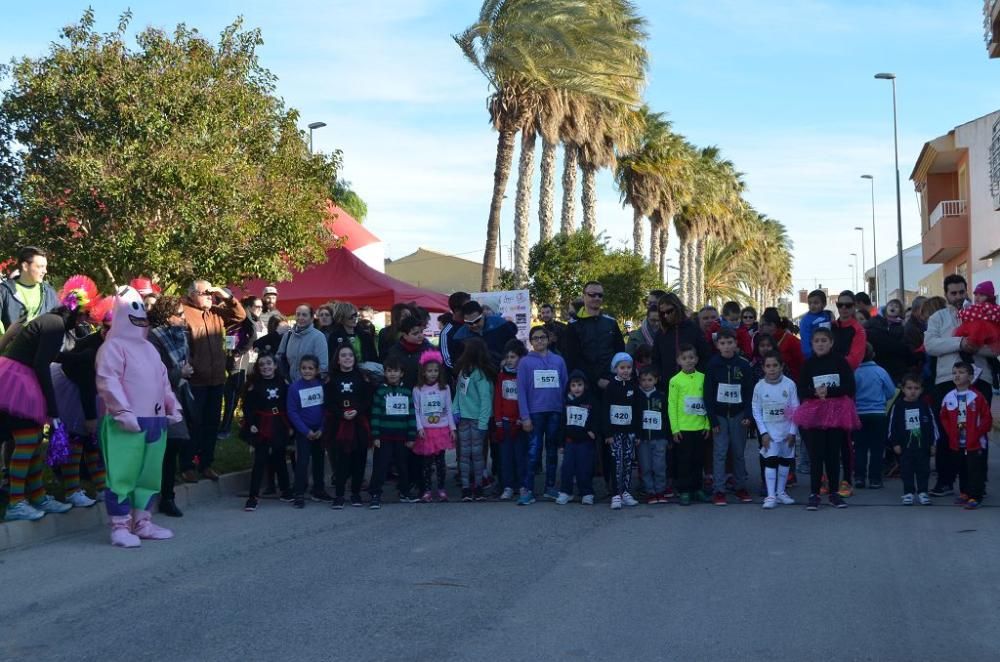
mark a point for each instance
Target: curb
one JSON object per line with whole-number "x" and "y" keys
{"x": 50, "y": 527}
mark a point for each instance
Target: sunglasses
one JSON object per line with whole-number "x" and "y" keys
{"x": 749, "y": 317}
{"x": 475, "y": 321}
{"x": 595, "y": 295}
{"x": 667, "y": 311}
{"x": 845, "y": 305}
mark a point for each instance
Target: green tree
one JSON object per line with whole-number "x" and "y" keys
{"x": 626, "y": 278}
{"x": 560, "y": 266}
{"x": 345, "y": 197}
{"x": 173, "y": 158}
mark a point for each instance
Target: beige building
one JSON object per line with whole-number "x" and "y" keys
{"x": 437, "y": 271}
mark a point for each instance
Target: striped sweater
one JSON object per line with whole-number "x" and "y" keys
{"x": 393, "y": 414}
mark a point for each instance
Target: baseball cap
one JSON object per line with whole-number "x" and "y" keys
{"x": 270, "y": 289}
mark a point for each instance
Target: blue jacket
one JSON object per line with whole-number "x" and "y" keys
{"x": 534, "y": 400}
{"x": 12, "y": 306}
{"x": 310, "y": 417}
{"x": 874, "y": 388}
{"x": 736, "y": 371}
{"x": 496, "y": 333}
{"x": 809, "y": 322}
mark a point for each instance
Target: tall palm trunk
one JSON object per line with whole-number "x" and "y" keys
{"x": 547, "y": 191}
{"x": 664, "y": 240}
{"x": 699, "y": 271}
{"x": 505, "y": 156}
{"x": 637, "y": 234}
{"x": 684, "y": 273}
{"x": 654, "y": 238}
{"x": 690, "y": 277}
{"x": 570, "y": 158}
{"x": 590, "y": 200}
{"x": 522, "y": 207}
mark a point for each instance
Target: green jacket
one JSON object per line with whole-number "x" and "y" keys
{"x": 399, "y": 424}
{"x": 686, "y": 403}
{"x": 474, "y": 398}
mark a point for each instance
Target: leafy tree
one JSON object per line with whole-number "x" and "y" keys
{"x": 560, "y": 266}
{"x": 345, "y": 197}
{"x": 173, "y": 158}
{"x": 626, "y": 278}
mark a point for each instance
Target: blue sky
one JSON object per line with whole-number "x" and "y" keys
{"x": 784, "y": 88}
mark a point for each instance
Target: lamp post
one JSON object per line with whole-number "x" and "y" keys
{"x": 878, "y": 295}
{"x": 854, "y": 271}
{"x": 313, "y": 126}
{"x": 899, "y": 208}
{"x": 864, "y": 269}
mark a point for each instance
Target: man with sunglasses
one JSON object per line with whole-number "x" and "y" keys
{"x": 593, "y": 338}
{"x": 849, "y": 337}
{"x": 493, "y": 329}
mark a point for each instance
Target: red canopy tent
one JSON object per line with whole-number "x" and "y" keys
{"x": 344, "y": 277}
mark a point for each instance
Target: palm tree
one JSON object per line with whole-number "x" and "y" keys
{"x": 639, "y": 180}
{"x": 550, "y": 118}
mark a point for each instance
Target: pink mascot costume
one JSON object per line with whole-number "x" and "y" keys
{"x": 139, "y": 405}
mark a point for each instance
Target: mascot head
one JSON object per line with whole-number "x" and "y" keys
{"x": 128, "y": 317}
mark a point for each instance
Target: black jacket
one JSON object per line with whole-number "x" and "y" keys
{"x": 410, "y": 360}
{"x": 339, "y": 336}
{"x": 590, "y": 343}
{"x": 668, "y": 341}
{"x": 831, "y": 364}
{"x": 890, "y": 347}
{"x": 653, "y": 402}
{"x": 900, "y": 436}
{"x": 736, "y": 371}
{"x": 575, "y": 432}
{"x": 80, "y": 367}
{"x": 621, "y": 394}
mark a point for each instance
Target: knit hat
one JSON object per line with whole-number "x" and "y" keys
{"x": 619, "y": 358}
{"x": 985, "y": 288}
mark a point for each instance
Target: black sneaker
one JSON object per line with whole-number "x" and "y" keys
{"x": 478, "y": 494}
{"x": 286, "y": 497}
{"x": 250, "y": 505}
{"x": 406, "y": 497}
{"x": 299, "y": 502}
{"x": 941, "y": 491}
{"x": 356, "y": 500}
{"x": 321, "y": 496}
{"x": 813, "y": 503}
{"x": 375, "y": 503}
{"x": 338, "y": 503}
{"x": 836, "y": 501}
{"x": 466, "y": 494}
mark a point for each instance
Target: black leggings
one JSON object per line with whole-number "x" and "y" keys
{"x": 351, "y": 464}
{"x": 269, "y": 456}
{"x": 825, "y": 447}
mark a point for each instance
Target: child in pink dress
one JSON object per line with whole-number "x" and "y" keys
{"x": 435, "y": 423}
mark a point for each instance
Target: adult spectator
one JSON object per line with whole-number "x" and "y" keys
{"x": 646, "y": 332}
{"x": 408, "y": 349}
{"x": 303, "y": 339}
{"x": 747, "y": 330}
{"x": 941, "y": 343}
{"x": 270, "y": 299}
{"x": 27, "y": 296}
{"x": 240, "y": 339}
{"x": 324, "y": 320}
{"x": 774, "y": 325}
{"x": 495, "y": 331}
{"x": 653, "y": 298}
{"x": 863, "y": 303}
{"x": 277, "y": 326}
{"x": 450, "y": 351}
{"x": 366, "y": 321}
{"x": 389, "y": 336}
{"x": 708, "y": 322}
{"x": 208, "y": 311}
{"x": 913, "y": 332}
{"x": 676, "y": 329}
{"x": 347, "y": 330}
{"x": 849, "y": 337}
{"x": 168, "y": 334}
{"x": 592, "y": 338}
{"x": 890, "y": 349}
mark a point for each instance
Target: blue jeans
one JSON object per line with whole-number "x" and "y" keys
{"x": 578, "y": 463}
{"x": 732, "y": 438}
{"x": 544, "y": 425}
{"x": 513, "y": 455}
{"x": 869, "y": 448}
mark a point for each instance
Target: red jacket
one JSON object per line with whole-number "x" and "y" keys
{"x": 505, "y": 398}
{"x": 791, "y": 352}
{"x": 849, "y": 340}
{"x": 744, "y": 340}
{"x": 978, "y": 420}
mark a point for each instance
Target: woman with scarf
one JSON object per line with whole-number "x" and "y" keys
{"x": 168, "y": 334}
{"x": 304, "y": 339}
{"x": 646, "y": 332}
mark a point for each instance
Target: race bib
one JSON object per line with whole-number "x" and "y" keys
{"x": 774, "y": 414}
{"x": 652, "y": 420}
{"x": 962, "y": 410}
{"x": 311, "y": 397}
{"x": 912, "y": 419}
{"x": 230, "y": 343}
{"x": 397, "y": 405}
{"x": 694, "y": 406}
{"x": 432, "y": 405}
{"x": 621, "y": 415}
{"x": 546, "y": 379}
{"x": 510, "y": 390}
{"x": 577, "y": 416}
{"x": 829, "y": 381}
{"x": 730, "y": 394}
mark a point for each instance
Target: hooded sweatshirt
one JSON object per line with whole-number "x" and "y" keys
{"x": 541, "y": 382}
{"x": 729, "y": 387}
{"x": 809, "y": 323}
{"x": 297, "y": 343}
{"x": 474, "y": 398}
{"x": 581, "y": 414}
{"x": 874, "y": 388}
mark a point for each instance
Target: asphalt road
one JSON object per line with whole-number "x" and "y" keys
{"x": 492, "y": 581}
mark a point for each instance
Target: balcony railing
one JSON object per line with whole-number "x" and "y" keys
{"x": 946, "y": 208}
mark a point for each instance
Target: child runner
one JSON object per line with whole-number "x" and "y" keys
{"x": 265, "y": 416}
{"x": 435, "y": 423}
{"x": 688, "y": 424}
{"x": 306, "y": 413}
{"x": 623, "y": 416}
{"x": 774, "y": 400}
{"x": 394, "y": 430}
{"x": 913, "y": 432}
{"x": 966, "y": 420}
{"x": 350, "y": 402}
{"x": 826, "y": 414}
{"x": 541, "y": 383}
{"x": 474, "y": 407}
{"x": 818, "y": 317}
{"x": 508, "y": 433}
{"x": 728, "y": 395}
{"x": 653, "y": 437}
{"x": 580, "y": 422}
{"x": 875, "y": 391}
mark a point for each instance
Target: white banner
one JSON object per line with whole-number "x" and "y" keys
{"x": 512, "y": 305}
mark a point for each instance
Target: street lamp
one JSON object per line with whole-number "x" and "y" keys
{"x": 312, "y": 127}
{"x": 878, "y": 295}
{"x": 899, "y": 208}
{"x": 854, "y": 268}
{"x": 864, "y": 269}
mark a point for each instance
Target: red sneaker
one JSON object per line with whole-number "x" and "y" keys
{"x": 652, "y": 500}
{"x": 669, "y": 494}
{"x": 662, "y": 498}
{"x": 792, "y": 480}
{"x": 718, "y": 499}
{"x": 744, "y": 496}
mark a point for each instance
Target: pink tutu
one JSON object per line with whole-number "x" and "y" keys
{"x": 829, "y": 414}
{"x": 435, "y": 440}
{"x": 20, "y": 394}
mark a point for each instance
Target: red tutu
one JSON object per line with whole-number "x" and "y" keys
{"x": 828, "y": 414}
{"x": 435, "y": 440}
{"x": 20, "y": 394}
{"x": 980, "y": 325}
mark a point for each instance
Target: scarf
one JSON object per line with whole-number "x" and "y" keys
{"x": 411, "y": 347}
{"x": 174, "y": 340}
{"x": 647, "y": 333}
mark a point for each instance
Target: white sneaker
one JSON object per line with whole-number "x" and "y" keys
{"x": 588, "y": 500}
{"x": 22, "y": 510}
{"x": 616, "y": 502}
{"x": 785, "y": 499}
{"x": 924, "y": 499}
{"x": 563, "y": 499}
{"x": 629, "y": 500}
{"x": 507, "y": 494}
{"x": 907, "y": 499}
{"x": 79, "y": 499}
{"x": 770, "y": 503}
{"x": 50, "y": 505}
